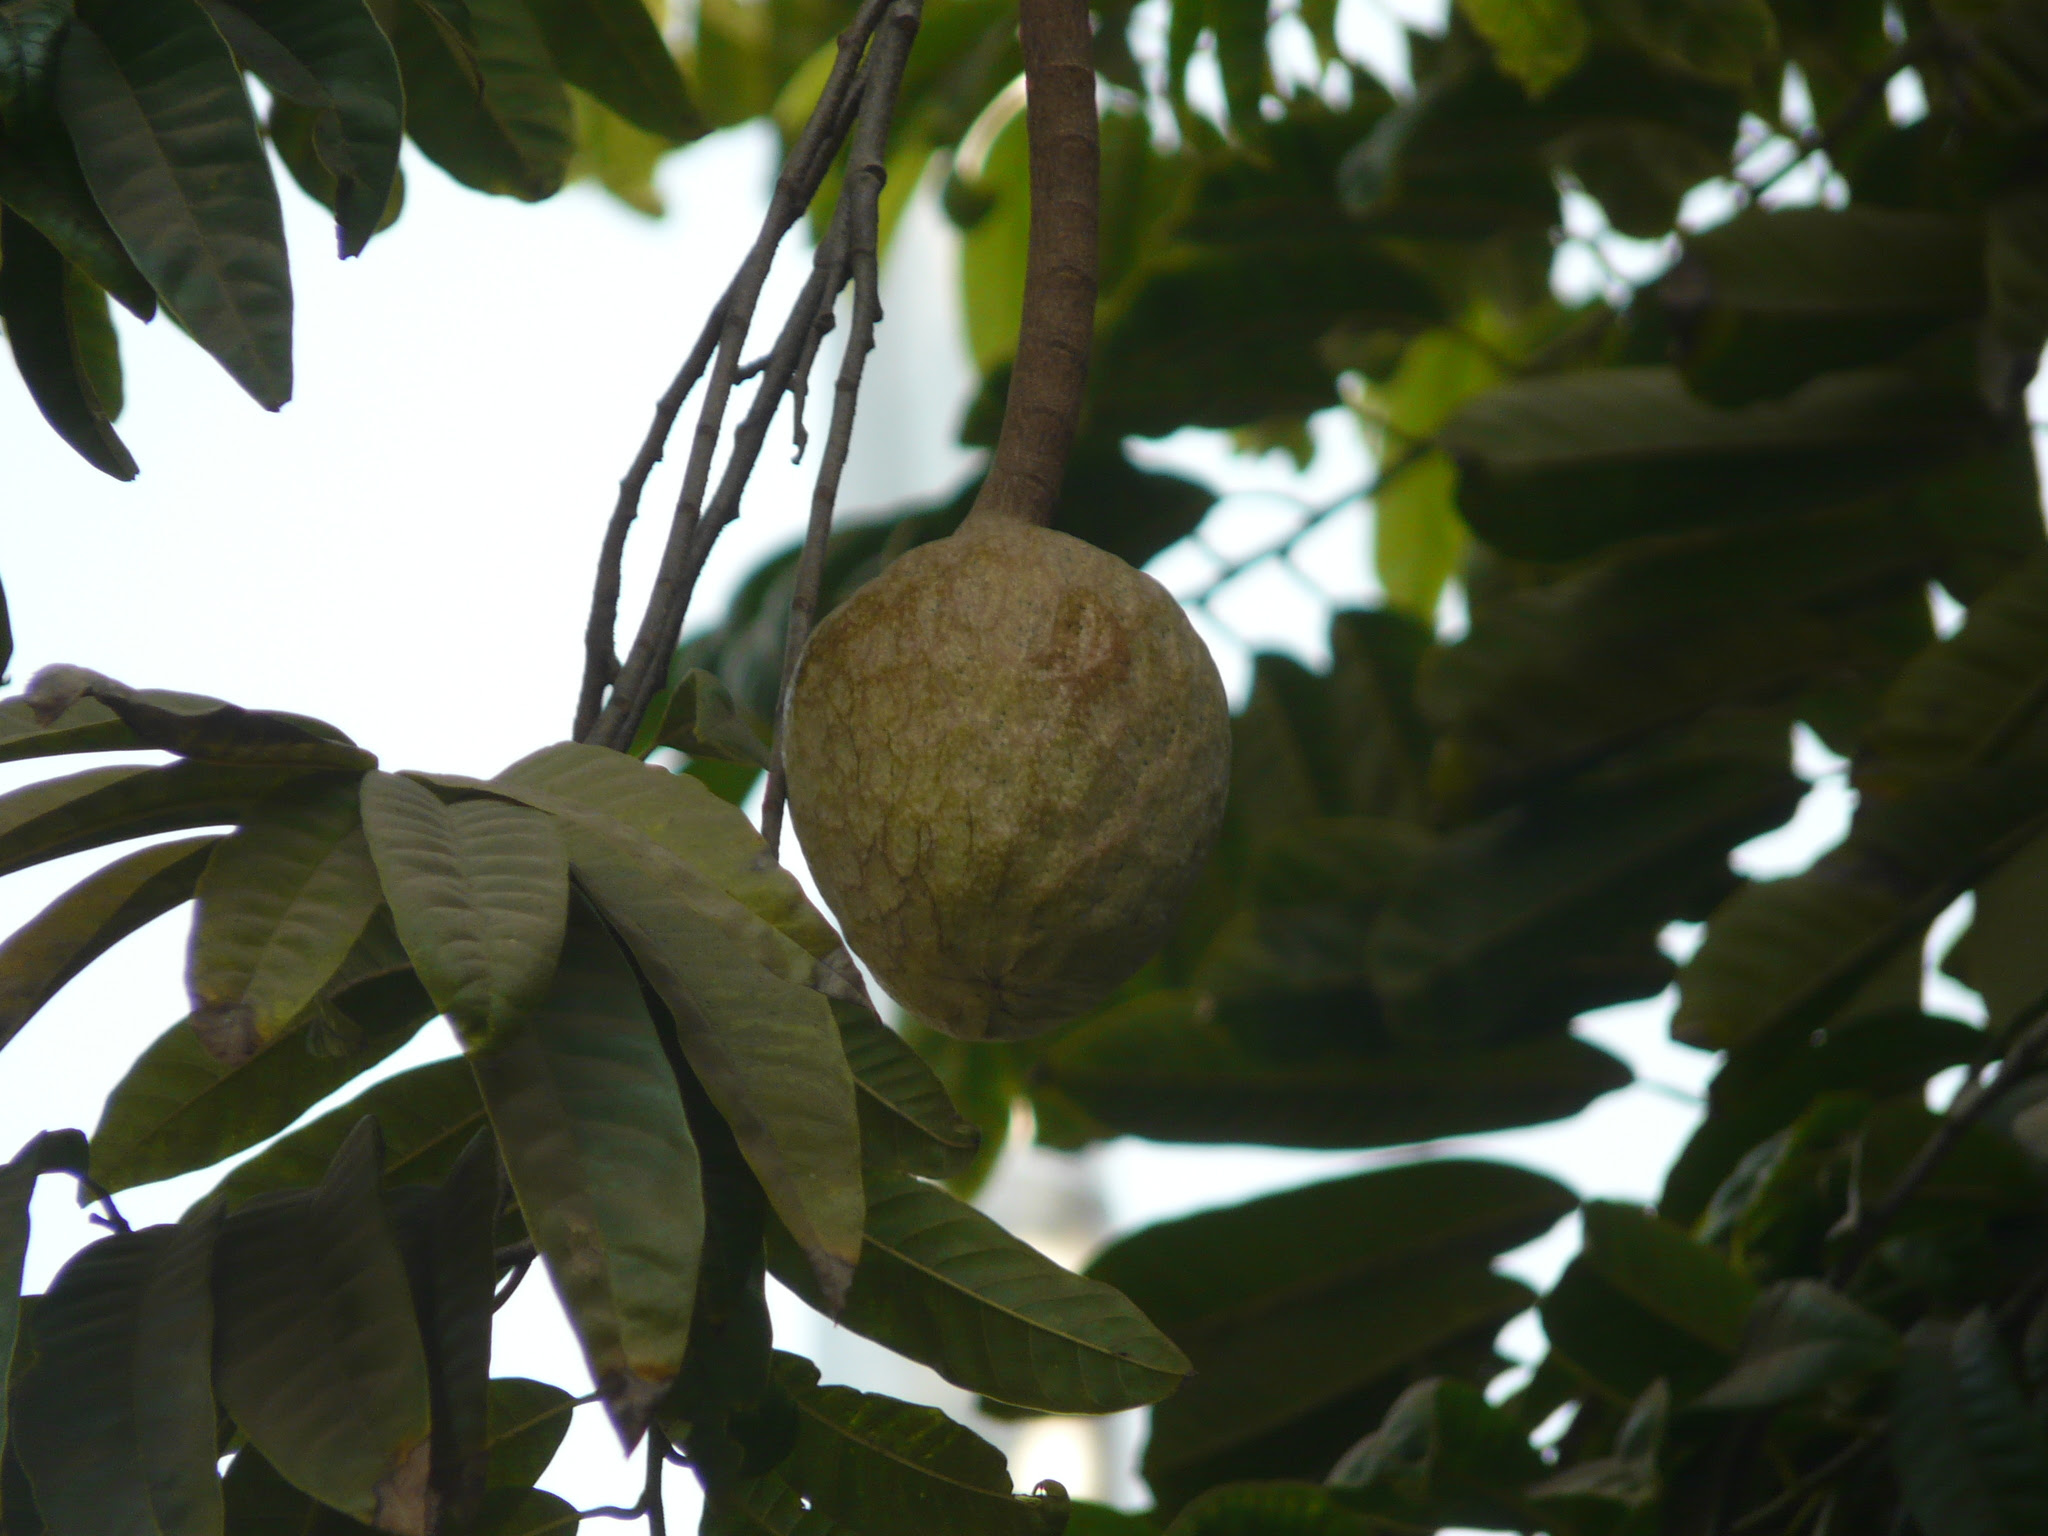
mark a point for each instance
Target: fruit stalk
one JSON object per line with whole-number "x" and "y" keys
{"x": 1051, "y": 369}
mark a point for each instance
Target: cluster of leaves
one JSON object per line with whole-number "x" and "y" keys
{"x": 1683, "y": 526}
{"x": 672, "y": 1084}
{"x": 132, "y": 164}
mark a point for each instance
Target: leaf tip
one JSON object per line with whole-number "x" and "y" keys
{"x": 834, "y": 1273}
{"x": 228, "y": 1031}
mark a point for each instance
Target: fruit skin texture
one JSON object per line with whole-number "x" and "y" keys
{"x": 1007, "y": 758}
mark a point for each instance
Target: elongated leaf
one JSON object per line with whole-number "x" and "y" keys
{"x": 87, "y": 726}
{"x": 527, "y": 1422}
{"x": 680, "y": 814}
{"x": 1158, "y": 1067}
{"x": 165, "y": 136}
{"x": 497, "y": 120}
{"x": 180, "y": 1107}
{"x": 108, "y": 805}
{"x": 942, "y": 1284}
{"x": 262, "y": 1503}
{"x": 331, "y": 58}
{"x": 593, "y": 1133}
{"x": 40, "y": 180}
{"x": 1802, "y": 1336}
{"x": 320, "y": 1359}
{"x": 907, "y": 1120}
{"x": 1969, "y": 1459}
{"x": 192, "y": 725}
{"x": 281, "y": 904}
{"x": 479, "y": 891}
{"x": 766, "y": 1050}
{"x": 901, "y": 1469}
{"x": 427, "y": 1116}
{"x": 291, "y": 129}
{"x": 121, "y": 1355}
{"x": 90, "y": 919}
{"x": 50, "y": 312}
{"x": 17, "y": 1184}
{"x": 1559, "y": 466}
{"x": 612, "y": 49}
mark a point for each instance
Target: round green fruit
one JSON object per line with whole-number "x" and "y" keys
{"x": 1007, "y": 759}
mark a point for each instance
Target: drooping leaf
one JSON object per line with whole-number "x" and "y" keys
{"x": 194, "y": 726}
{"x": 907, "y": 1120}
{"x": 90, "y": 919}
{"x": 40, "y": 180}
{"x": 527, "y": 1422}
{"x": 320, "y": 1359}
{"x": 479, "y": 891}
{"x": 50, "y": 312}
{"x": 167, "y": 142}
{"x": 180, "y": 1107}
{"x": 901, "y": 1469}
{"x": 290, "y": 129}
{"x": 496, "y": 119}
{"x": 1802, "y": 1336}
{"x": 105, "y": 1417}
{"x": 426, "y": 1116}
{"x": 1157, "y": 1067}
{"x": 281, "y": 904}
{"x": 942, "y": 1284}
{"x": 613, "y": 50}
{"x": 86, "y": 810}
{"x": 592, "y": 1129}
{"x": 767, "y": 1050}
{"x": 1969, "y": 1458}
{"x": 330, "y": 58}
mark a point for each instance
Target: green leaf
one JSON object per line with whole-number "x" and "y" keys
{"x": 1777, "y": 297}
{"x": 17, "y": 1185}
{"x": 87, "y": 726}
{"x": 592, "y": 1129}
{"x": 179, "y": 1107}
{"x": 261, "y": 1503}
{"x": 613, "y": 50}
{"x": 1158, "y": 1067}
{"x": 1999, "y": 955}
{"x": 620, "y": 158}
{"x": 90, "y": 919}
{"x": 427, "y": 1116}
{"x": 1271, "y": 1509}
{"x": 1802, "y": 1336}
{"x": 290, "y": 129}
{"x": 1239, "y": 27}
{"x": 40, "y": 180}
{"x": 901, "y": 1469}
{"x": 527, "y": 1422}
{"x": 766, "y": 1049}
{"x": 87, "y": 810}
{"x": 942, "y": 1284}
{"x": 1294, "y": 1303}
{"x": 1539, "y": 44}
{"x": 907, "y": 1120}
{"x": 165, "y": 137}
{"x": 527, "y": 1512}
{"x": 51, "y": 314}
{"x": 194, "y": 726}
{"x": 497, "y": 120}
{"x": 1442, "y": 1454}
{"x": 281, "y": 904}
{"x": 699, "y": 717}
{"x": 1644, "y": 1300}
{"x": 1558, "y": 466}
{"x": 320, "y": 1359}
{"x": 1724, "y": 40}
{"x": 765, "y": 1506}
{"x": 479, "y": 891}
{"x": 115, "y": 1419}
{"x": 1969, "y": 1459}
{"x": 330, "y": 58}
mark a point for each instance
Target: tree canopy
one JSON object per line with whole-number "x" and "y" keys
{"x": 1685, "y": 516}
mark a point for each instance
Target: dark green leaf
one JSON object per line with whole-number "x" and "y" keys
{"x": 479, "y": 891}
{"x": 281, "y": 904}
{"x": 900, "y": 1469}
{"x": 427, "y": 1116}
{"x": 1158, "y": 1067}
{"x": 40, "y": 180}
{"x": 765, "y": 1506}
{"x": 699, "y": 717}
{"x": 329, "y": 57}
{"x": 498, "y": 119}
{"x": 1802, "y": 1336}
{"x": 1644, "y": 1300}
{"x": 593, "y": 1133}
{"x": 527, "y": 1512}
{"x": 175, "y": 1415}
{"x": 907, "y": 1120}
{"x": 164, "y": 134}
{"x": 943, "y": 1285}
{"x": 291, "y": 129}
{"x": 1560, "y": 466}
{"x": 527, "y": 1422}
{"x": 320, "y": 1359}
{"x": 194, "y": 726}
{"x": 17, "y": 1185}
{"x": 90, "y": 919}
{"x": 613, "y": 50}
{"x": 179, "y": 1107}
{"x": 1443, "y": 1453}
{"x": 261, "y": 1503}
{"x": 1969, "y": 1459}
{"x": 53, "y": 314}
{"x": 1271, "y": 1509}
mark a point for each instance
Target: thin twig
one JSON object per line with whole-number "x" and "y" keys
{"x": 2030, "y": 1031}
{"x": 633, "y": 683}
{"x": 649, "y": 1507}
{"x": 866, "y": 173}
